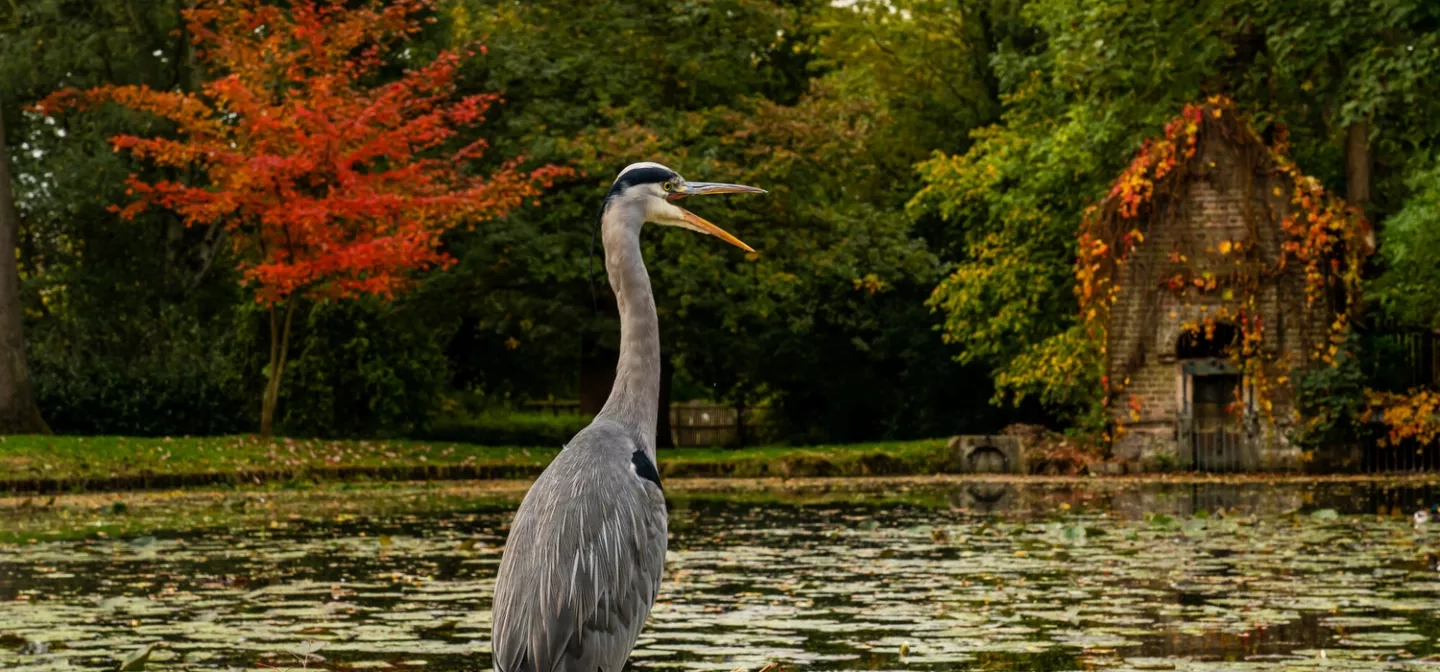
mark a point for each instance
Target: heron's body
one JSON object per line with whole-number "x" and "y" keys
{"x": 590, "y": 536}
{"x": 583, "y": 562}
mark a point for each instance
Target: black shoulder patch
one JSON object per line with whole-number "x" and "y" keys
{"x": 645, "y": 468}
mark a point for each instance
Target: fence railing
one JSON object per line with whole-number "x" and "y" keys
{"x": 1232, "y": 447}
{"x": 1219, "y": 446}
{"x": 692, "y": 423}
{"x": 1403, "y": 358}
{"x": 1224, "y": 450}
{"x": 1409, "y": 456}
{"x": 1377, "y": 455}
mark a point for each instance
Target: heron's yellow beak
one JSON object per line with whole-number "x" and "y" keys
{"x": 695, "y": 222}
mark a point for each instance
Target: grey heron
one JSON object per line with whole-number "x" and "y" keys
{"x": 582, "y": 564}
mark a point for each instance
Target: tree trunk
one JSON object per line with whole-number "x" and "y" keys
{"x": 18, "y": 412}
{"x": 663, "y": 438}
{"x": 1357, "y": 164}
{"x": 279, "y": 348}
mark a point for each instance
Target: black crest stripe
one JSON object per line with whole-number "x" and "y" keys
{"x": 642, "y": 176}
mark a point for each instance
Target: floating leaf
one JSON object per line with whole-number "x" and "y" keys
{"x": 137, "y": 659}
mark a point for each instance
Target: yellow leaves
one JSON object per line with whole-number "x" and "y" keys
{"x": 1409, "y": 416}
{"x": 1206, "y": 281}
{"x": 870, "y": 283}
{"x": 511, "y": 343}
{"x": 1225, "y": 247}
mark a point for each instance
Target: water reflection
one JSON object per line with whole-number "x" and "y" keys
{"x": 965, "y": 575}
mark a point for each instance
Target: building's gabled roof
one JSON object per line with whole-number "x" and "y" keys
{"x": 1322, "y": 234}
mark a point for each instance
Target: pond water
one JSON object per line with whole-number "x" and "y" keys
{"x": 953, "y": 576}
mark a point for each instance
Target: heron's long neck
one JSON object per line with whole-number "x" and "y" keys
{"x": 635, "y": 398}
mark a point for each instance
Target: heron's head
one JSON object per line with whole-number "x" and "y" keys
{"x": 653, "y": 189}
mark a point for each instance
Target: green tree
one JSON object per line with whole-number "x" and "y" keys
{"x": 1410, "y": 242}
{"x": 766, "y": 93}
{"x": 831, "y": 257}
{"x": 87, "y": 286}
{"x": 140, "y": 327}
{"x": 18, "y": 412}
{"x": 1104, "y": 75}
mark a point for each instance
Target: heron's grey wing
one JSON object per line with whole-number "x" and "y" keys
{"x": 581, "y": 569}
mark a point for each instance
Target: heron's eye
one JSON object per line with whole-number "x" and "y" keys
{"x": 668, "y": 186}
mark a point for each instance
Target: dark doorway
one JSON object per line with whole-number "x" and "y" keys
{"x": 1213, "y": 395}
{"x": 1208, "y": 343}
{"x": 1217, "y": 441}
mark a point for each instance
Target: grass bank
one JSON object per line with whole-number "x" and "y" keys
{"x": 98, "y": 463}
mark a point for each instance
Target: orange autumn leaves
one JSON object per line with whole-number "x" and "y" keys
{"x": 1407, "y": 416}
{"x": 1155, "y": 160}
{"x": 327, "y": 185}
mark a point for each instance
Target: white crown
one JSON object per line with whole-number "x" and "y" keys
{"x": 642, "y": 164}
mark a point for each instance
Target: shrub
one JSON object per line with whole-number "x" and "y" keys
{"x": 508, "y": 429}
{"x": 1331, "y": 401}
{"x": 359, "y": 369}
{"x": 180, "y": 382}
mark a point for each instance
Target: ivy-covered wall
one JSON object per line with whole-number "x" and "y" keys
{"x": 1213, "y": 237}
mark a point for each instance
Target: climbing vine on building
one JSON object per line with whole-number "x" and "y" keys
{"x": 1323, "y": 240}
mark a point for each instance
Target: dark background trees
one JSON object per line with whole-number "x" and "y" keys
{"x": 1017, "y": 114}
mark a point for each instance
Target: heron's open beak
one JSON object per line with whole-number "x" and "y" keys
{"x": 695, "y": 222}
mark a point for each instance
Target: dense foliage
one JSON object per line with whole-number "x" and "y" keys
{"x": 1344, "y": 84}
{"x": 929, "y": 163}
{"x": 327, "y": 186}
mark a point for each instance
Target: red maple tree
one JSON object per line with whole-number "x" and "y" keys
{"x": 329, "y": 184}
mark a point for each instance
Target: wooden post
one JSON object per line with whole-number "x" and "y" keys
{"x": 664, "y": 438}
{"x": 740, "y": 424}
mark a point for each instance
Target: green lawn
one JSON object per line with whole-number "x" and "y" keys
{"x": 100, "y": 462}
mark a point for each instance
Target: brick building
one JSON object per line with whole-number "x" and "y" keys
{"x": 1209, "y": 316}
